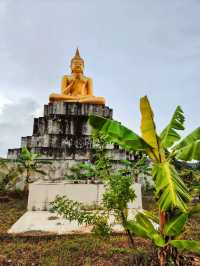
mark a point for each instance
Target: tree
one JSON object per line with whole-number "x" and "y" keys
{"x": 118, "y": 193}
{"x": 171, "y": 193}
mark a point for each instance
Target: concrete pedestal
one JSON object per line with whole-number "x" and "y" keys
{"x": 42, "y": 193}
{"x": 38, "y": 218}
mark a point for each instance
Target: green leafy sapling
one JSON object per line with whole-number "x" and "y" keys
{"x": 118, "y": 193}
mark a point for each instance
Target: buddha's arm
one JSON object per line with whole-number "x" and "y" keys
{"x": 65, "y": 85}
{"x": 90, "y": 87}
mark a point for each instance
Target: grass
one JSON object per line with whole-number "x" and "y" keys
{"x": 72, "y": 250}
{"x": 11, "y": 211}
{"x": 77, "y": 250}
{"x": 51, "y": 250}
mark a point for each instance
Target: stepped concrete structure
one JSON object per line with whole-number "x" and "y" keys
{"x": 63, "y": 131}
{"x": 63, "y": 137}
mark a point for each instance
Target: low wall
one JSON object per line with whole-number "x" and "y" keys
{"x": 42, "y": 193}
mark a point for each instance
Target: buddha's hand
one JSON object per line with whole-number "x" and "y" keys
{"x": 67, "y": 90}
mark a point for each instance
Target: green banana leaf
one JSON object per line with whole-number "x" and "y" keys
{"x": 189, "y": 152}
{"x": 148, "y": 130}
{"x": 137, "y": 229}
{"x": 146, "y": 232}
{"x": 175, "y": 226}
{"x": 188, "y": 245}
{"x": 169, "y": 187}
{"x": 189, "y": 148}
{"x": 143, "y": 220}
{"x": 169, "y": 135}
{"x": 117, "y": 133}
{"x": 151, "y": 216}
{"x": 158, "y": 239}
{"x": 27, "y": 155}
{"x": 192, "y": 137}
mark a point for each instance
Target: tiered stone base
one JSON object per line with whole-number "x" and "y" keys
{"x": 63, "y": 137}
{"x": 63, "y": 131}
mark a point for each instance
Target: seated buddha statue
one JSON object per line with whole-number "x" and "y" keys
{"x": 76, "y": 87}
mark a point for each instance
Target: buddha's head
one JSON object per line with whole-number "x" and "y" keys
{"x": 77, "y": 63}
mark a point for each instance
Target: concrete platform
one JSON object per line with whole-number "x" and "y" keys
{"x": 41, "y": 194}
{"x": 45, "y": 221}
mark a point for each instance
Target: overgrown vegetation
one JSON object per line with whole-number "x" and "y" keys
{"x": 171, "y": 194}
{"x": 172, "y": 225}
{"x": 21, "y": 169}
{"x": 9, "y": 175}
{"x": 118, "y": 193}
{"x": 81, "y": 171}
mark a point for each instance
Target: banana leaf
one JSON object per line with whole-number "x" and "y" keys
{"x": 27, "y": 155}
{"x": 151, "y": 216}
{"x": 146, "y": 232}
{"x": 148, "y": 130}
{"x": 143, "y": 220}
{"x": 175, "y": 226}
{"x": 187, "y": 245}
{"x": 170, "y": 135}
{"x": 137, "y": 229}
{"x": 169, "y": 187}
{"x": 117, "y": 133}
{"x": 189, "y": 152}
{"x": 189, "y": 148}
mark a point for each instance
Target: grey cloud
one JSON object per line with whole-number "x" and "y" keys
{"x": 131, "y": 48}
{"x": 16, "y": 120}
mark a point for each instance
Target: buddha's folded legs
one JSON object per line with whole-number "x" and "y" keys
{"x": 62, "y": 97}
{"x": 80, "y": 99}
{"x": 92, "y": 99}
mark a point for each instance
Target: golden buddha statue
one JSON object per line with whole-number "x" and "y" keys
{"x": 76, "y": 87}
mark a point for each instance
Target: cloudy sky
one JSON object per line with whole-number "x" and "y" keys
{"x": 131, "y": 48}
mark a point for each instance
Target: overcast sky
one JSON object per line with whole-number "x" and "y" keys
{"x": 131, "y": 48}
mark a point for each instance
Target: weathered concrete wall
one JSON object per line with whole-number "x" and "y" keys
{"x": 63, "y": 136}
{"x": 42, "y": 193}
{"x": 57, "y": 169}
{"x": 63, "y": 131}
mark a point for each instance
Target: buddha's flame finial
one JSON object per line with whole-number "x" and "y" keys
{"x": 77, "y": 56}
{"x": 77, "y": 53}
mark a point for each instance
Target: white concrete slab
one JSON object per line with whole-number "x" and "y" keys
{"x": 46, "y": 221}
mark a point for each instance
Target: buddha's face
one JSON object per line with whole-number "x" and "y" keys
{"x": 77, "y": 66}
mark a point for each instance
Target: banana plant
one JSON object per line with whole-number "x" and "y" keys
{"x": 29, "y": 163}
{"x": 171, "y": 193}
